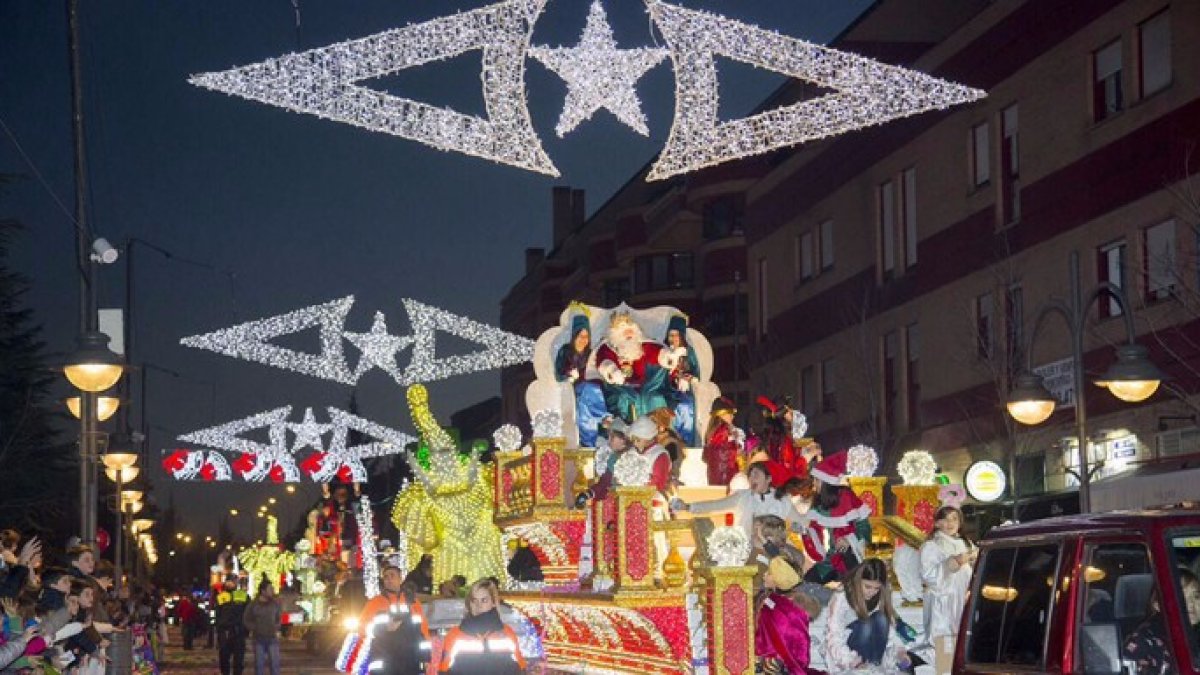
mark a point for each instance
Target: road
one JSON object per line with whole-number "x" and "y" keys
{"x": 295, "y": 660}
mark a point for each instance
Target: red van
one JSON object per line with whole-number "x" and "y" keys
{"x": 1113, "y": 593}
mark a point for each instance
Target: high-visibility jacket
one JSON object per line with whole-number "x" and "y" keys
{"x": 482, "y": 645}
{"x": 398, "y": 651}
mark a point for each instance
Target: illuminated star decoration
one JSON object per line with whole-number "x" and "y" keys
{"x": 259, "y": 461}
{"x": 308, "y": 433}
{"x": 252, "y": 341}
{"x": 378, "y": 348}
{"x": 598, "y": 75}
{"x": 323, "y": 82}
{"x": 867, "y": 92}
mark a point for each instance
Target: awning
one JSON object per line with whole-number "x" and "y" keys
{"x": 1156, "y": 484}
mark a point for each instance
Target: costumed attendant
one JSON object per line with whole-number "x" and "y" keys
{"x": 746, "y": 505}
{"x": 947, "y": 559}
{"x": 482, "y": 644}
{"x": 683, "y": 368}
{"x": 781, "y": 639}
{"x": 860, "y": 633}
{"x": 608, "y": 451}
{"x": 571, "y": 366}
{"x": 723, "y": 443}
{"x": 337, "y": 522}
{"x": 777, "y": 431}
{"x": 837, "y": 526}
{"x": 649, "y": 465}
{"x": 393, "y": 628}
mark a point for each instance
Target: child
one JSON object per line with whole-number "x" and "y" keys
{"x": 759, "y": 500}
{"x": 781, "y": 639}
{"x": 861, "y": 632}
{"x": 723, "y": 443}
{"x": 838, "y": 512}
{"x": 946, "y": 561}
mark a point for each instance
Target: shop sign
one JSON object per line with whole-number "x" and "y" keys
{"x": 985, "y": 481}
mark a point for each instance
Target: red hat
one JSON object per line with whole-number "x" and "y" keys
{"x": 769, "y": 407}
{"x": 832, "y": 469}
{"x": 780, "y": 473}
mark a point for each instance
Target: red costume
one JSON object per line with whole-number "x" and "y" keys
{"x": 635, "y": 371}
{"x": 848, "y": 519}
{"x": 721, "y": 451}
{"x": 781, "y": 632}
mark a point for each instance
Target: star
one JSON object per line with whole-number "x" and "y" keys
{"x": 598, "y": 75}
{"x": 309, "y": 432}
{"x": 378, "y": 348}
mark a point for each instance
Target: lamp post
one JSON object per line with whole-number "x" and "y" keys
{"x": 1133, "y": 378}
{"x": 120, "y": 468}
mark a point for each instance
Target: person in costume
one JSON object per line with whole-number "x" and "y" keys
{"x": 723, "y": 443}
{"x": 860, "y": 631}
{"x": 608, "y": 451}
{"x": 781, "y": 638}
{"x": 482, "y": 644}
{"x": 394, "y": 622}
{"x": 571, "y": 366}
{"x": 776, "y": 436}
{"x": 762, "y": 499}
{"x": 683, "y": 369}
{"x": 337, "y": 522}
{"x": 648, "y": 465}
{"x": 836, "y": 528}
{"x": 947, "y": 559}
{"x": 633, "y": 369}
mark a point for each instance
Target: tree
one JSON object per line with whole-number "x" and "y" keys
{"x": 38, "y": 466}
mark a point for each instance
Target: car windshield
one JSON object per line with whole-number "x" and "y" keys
{"x": 1184, "y": 546}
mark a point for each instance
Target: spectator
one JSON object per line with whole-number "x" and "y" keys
{"x": 82, "y": 561}
{"x": 262, "y": 618}
{"x": 186, "y": 613}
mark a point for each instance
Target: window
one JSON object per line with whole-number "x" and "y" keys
{"x": 1010, "y": 166}
{"x": 808, "y": 388}
{"x": 981, "y": 158}
{"x": 616, "y": 291}
{"x": 912, "y": 346}
{"x": 828, "y": 386}
{"x": 1154, "y": 54}
{"x": 984, "y": 334}
{"x": 891, "y": 381}
{"x": 887, "y": 227}
{"x": 1118, "y": 589}
{"x": 722, "y": 218}
{"x": 908, "y": 193}
{"x": 762, "y": 297}
{"x": 1111, "y": 267}
{"x": 662, "y": 272}
{"x": 1106, "y": 81}
{"x": 826, "y": 245}
{"x": 1014, "y": 327}
{"x": 1184, "y": 549}
{"x": 726, "y": 316}
{"x": 806, "y": 256}
{"x": 1010, "y": 610}
{"x": 1160, "y": 260}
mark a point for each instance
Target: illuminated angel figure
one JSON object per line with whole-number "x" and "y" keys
{"x": 447, "y": 511}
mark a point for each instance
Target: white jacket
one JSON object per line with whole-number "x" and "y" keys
{"x": 746, "y": 506}
{"x": 839, "y": 657}
{"x": 945, "y": 588}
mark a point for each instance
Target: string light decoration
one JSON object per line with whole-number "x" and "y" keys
{"x": 867, "y": 92}
{"x": 323, "y": 82}
{"x": 366, "y": 548}
{"x": 861, "y": 461}
{"x": 268, "y": 559}
{"x": 917, "y": 467}
{"x": 728, "y": 546}
{"x": 447, "y": 512}
{"x": 259, "y": 461}
{"x": 251, "y": 341}
{"x": 799, "y": 424}
{"x": 632, "y": 469}
{"x": 598, "y": 75}
{"x": 507, "y": 438}
{"x": 547, "y": 423}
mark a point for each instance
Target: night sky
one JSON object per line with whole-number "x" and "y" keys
{"x": 289, "y": 210}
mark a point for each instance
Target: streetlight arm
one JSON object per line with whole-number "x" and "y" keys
{"x": 130, "y": 241}
{"x": 1117, "y": 293}
{"x": 1051, "y": 306}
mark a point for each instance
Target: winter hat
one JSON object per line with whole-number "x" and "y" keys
{"x": 783, "y": 573}
{"x": 724, "y": 405}
{"x": 644, "y": 428}
{"x": 580, "y": 322}
{"x": 832, "y": 469}
{"x": 618, "y": 426}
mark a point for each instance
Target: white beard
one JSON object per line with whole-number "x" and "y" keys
{"x": 628, "y": 350}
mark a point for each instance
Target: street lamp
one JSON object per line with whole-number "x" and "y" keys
{"x": 105, "y": 406}
{"x": 119, "y": 467}
{"x": 93, "y": 367}
{"x": 1133, "y": 378}
{"x": 126, "y": 475}
{"x": 141, "y": 526}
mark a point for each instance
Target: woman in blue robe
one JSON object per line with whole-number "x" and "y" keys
{"x": 571, "y": 366}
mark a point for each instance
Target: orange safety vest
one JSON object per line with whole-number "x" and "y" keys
{"x": 498, "y": 644}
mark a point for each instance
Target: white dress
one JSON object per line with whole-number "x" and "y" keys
{"x": 839, "y": 657}
{"x": 945, "y": 588}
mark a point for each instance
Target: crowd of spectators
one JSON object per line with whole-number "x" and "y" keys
{"x": 63, "y": 611}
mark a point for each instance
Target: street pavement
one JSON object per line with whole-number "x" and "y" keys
{"x": 295, "y": 659}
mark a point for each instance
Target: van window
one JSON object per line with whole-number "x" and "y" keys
{"x": 1011, "y": 606}
{"x": 1184, "y": 546}
{"x": 1120, "y": 630}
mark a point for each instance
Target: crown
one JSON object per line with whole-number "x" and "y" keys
{"x": 579, "y": 308}
{"x": 621, "y": 318}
